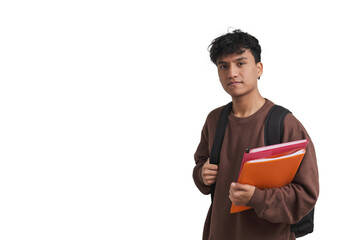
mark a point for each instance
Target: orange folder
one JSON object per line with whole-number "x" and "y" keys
{"x": 272, "y": 171}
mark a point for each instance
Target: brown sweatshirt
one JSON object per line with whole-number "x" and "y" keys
{"x": 273, "y": 210}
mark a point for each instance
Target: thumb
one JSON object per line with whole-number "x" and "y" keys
{"x": 237, "y": 186}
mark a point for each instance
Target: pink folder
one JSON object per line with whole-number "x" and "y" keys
{"x": 272, "y": 150}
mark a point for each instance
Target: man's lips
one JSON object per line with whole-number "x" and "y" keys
{"x": 234, "y": 83}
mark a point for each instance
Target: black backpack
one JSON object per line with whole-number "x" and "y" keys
{"x": 273, "y": 135}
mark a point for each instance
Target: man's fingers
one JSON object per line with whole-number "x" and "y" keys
{"x": 211, "y": 182}
{"x": 241, "y": 194}
{"x": 239, "y": 186}
{"x": 210, "y": 177}
{"x": 210, "y": 172}
{"x": 212, "y": 167}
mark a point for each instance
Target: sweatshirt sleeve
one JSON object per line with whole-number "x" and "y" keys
{"x": 290, "y": 203}
{"x": 201, "y": 156}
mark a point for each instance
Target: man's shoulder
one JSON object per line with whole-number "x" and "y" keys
{"x": 291, "y": 121}
{"x": 215, "y": 113}
{"x": 294, "y": 129}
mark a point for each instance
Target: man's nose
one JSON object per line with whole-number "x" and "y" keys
{"x": 232, "y": 72}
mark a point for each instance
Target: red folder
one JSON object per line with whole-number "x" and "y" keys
{"x": 271, "y": 166}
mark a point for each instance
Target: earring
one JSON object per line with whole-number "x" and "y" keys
{"x": 258, "y": 77}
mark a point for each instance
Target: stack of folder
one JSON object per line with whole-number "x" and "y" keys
{"x": 270, "y": 166}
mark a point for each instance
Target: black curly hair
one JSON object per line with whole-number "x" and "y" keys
{"x": 234, "y": 42}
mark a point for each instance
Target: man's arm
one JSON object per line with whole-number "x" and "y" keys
{"x": 204, "y": 173}
{"x": 201, "y": 158}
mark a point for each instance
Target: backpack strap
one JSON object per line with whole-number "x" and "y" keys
{"x": 274, "y": 125}
{"x": 218, "y": 140}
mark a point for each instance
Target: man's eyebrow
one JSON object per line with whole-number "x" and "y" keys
{"x": 240, "y": 58}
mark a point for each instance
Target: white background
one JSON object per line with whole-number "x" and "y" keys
{"x": 102, "y": 104}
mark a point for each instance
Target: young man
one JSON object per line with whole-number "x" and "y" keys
{"x": 237, "y": 57}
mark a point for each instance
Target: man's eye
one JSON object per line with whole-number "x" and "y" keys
{"x": 222, "y": 66}
{"x": 241, "y": 63}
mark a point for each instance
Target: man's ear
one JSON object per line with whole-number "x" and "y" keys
{"x": 259, "y": 66}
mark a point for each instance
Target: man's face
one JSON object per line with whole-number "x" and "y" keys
{"x": 238, "y": 73}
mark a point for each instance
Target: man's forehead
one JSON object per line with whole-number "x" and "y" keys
{"x": 245, "y": 54}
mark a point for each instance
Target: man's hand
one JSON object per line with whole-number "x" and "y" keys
{"x": 209, "y": 173}
{"x": 240, "y": 194}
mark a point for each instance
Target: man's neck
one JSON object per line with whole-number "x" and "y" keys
{"x": 247, "y": 106}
